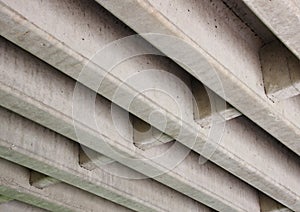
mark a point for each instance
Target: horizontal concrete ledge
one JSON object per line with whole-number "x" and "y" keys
{"x": 16, "y": 206}
{"x": 55, "y": 112}
{"x": 254, "y": 173}
{"x": 281, "y": 71}
{"x": 60, "y": 161}
{"x": 61, "y": 197}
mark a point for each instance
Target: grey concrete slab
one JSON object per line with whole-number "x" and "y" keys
{"x": 16, "y": 206}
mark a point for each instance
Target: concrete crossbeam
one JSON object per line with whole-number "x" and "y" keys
{"x": 55, "y": 111}
{"x": 41, "y": 181}
{"x": 209, "y": 105}
{"x": 269, "y": 205}
{"x": 16, "y": 206}
{"x": 235, "y": 162}
{"x": 281, "y": 71}
{"x": 60, "y": 197}
{"x": 282, "y": 17}
{"x": 19, "y": 136}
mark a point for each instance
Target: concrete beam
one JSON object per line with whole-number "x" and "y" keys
{"x": 282, "y": 17}
{"x": 4, "y": 199}
{"x": 235, "y": 159}
{"x": 60, "y": 197}
{"x": 41, "y": 181}
{"x": 56, "y": 111}
{"x": 239, "y": 72}
{"x": 281, "y": 71}
{"x": 60, "y": 161}
{"x": 17, "y": 206}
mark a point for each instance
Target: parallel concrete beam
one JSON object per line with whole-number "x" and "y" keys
{"x": 237, "y": 159}
{"x": 41, "y": 181}
{"x": 282, "y": 17}
{"x": 281, "y": 71}
{"x": 60, "y": 197}
{"x": 234, "y": 165}
{"x": 19, "y": 136}
{"x": 239, "y": 72}
{"x": 17, "y": 206}
{"x": 55, "y": 111}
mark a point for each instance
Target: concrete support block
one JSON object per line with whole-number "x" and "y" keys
{"x": 269, "y": 205}
{"x": 41, "y": 181}
{"x": 209, "y": 104}
{"x": 281, "y": 71}
{"x": 60, "y": 197}
{"x": 145, "y": 136}
{"x": 90, "y": 159}
{"x": 282, "y": 18}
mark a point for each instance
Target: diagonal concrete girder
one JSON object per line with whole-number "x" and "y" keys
{"x": 61, "y": 161}
{"x": 235, "y": 165}
{"x": 14, "y": 183}
{"x": 214, "y": 35}
{"x": 282, "y": 17}
{"x": 188, "y": 177}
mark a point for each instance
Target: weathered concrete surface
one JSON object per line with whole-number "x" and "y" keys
{"x": 215, "y": 34}
{"x": 281, "y": 71}
{"x": 61, "y": 197}
{"x": 55, "y": 111}
{"x": 282, "y": 17}
{"x": 41, "y": 181}
{"x": 235, "y": 164}
{"x": 16, "y": 206}
{"x": 60, "y": 160}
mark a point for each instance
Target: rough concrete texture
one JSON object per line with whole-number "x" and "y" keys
{"x": 14, "y": 182}
{"x": 234, "y": 165}
{"x": 41, "y": 181}
{"x": 16, "y": 206}
{"x": 57, "y": 157}
{"x": 231, "y": 47}
{"x": 56, "y": 115}
{"x": 282, "y": 17}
